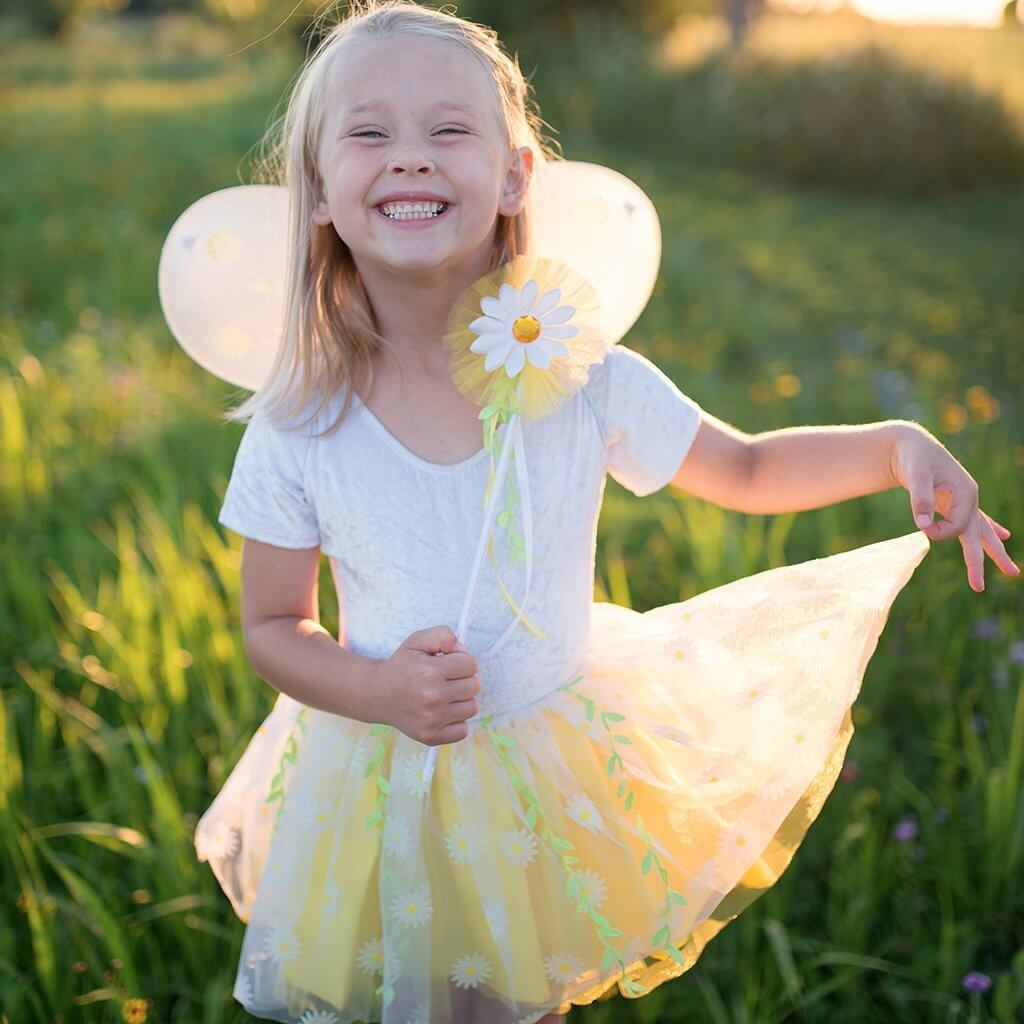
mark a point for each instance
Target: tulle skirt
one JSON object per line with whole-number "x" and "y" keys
{"x": 586, "y": 845}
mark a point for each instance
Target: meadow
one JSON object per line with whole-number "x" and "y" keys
{"x": 125, "y": 695}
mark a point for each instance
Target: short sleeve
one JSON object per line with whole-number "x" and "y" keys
{"x": 266, "y": 497}
{"x": 649, "y": 423}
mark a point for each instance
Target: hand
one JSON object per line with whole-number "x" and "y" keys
{"x": 427, "y": 688}
{"x": 938, "y": 483}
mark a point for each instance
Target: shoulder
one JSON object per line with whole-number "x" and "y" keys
{"x": 622, "y": 371}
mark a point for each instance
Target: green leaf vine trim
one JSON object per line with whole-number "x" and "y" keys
{"x": 562, "y": 846}
{"x": 374, "y": 767}
{"x": 288, "y": 757}
{"x": 625, "y": 790}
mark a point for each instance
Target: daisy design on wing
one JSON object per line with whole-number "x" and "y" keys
{"x": 319, "y": 1017}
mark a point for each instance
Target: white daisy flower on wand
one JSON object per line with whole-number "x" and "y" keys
{"x": 518, "y": 316}
{"x": 512, "y": 326}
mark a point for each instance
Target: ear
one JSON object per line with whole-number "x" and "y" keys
{"x": 321, "y": 213}
{"x": 517, "y": 182}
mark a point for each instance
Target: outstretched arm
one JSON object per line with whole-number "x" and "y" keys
{"x": 799, "y": 468}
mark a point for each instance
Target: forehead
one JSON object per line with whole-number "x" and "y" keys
{"x": 411, "y": 74}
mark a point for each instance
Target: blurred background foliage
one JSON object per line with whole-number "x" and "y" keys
{"x": 843, "y": 236}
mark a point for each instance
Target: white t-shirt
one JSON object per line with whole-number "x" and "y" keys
{"x": 400, "y": 532}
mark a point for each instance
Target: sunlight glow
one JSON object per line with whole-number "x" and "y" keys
{"x": 962, "y": 12}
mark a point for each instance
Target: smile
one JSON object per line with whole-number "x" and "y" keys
{"x": 415, "y": 219}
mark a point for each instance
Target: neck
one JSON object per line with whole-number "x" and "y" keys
{"x": 413, "y": 307}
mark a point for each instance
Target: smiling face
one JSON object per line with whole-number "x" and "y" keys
{"x": 417, "y": 115}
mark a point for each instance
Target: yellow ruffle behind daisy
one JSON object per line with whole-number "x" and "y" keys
{"x": 520, "y": 299}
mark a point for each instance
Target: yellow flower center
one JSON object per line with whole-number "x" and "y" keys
{"x": 526, "y": 328}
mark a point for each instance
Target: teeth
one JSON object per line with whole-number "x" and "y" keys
{"x": 412, "y": 211}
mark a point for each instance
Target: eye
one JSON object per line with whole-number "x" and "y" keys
{"x": 373, "y": 131}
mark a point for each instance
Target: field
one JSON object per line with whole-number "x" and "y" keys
{"x": 125, "y": 695}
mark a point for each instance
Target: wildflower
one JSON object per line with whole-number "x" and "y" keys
{"x": 905, "y": 829}
{"x": 975, "y": 981}
{"x": 850, "y": 771}
{"x": 985, "y": 628}
{"x": 135, "y": 1011}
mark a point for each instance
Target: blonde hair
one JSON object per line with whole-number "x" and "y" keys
{"x": 329, "y": 335}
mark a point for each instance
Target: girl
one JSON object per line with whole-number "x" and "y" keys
{"x": 637, "y": 779}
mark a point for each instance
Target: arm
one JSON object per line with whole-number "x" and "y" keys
{"x": 801, "y": 468}
{"x": 788, "y": 470}
{"x": 286, "y": 644}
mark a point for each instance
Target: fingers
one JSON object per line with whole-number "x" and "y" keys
{"x": 1001, "y": 531}
{"x": 460, "y": 710}
{"x": 452, "y": 733}
{"x": 993, "y": 546}
{"x": 922, "y": 497}
{"x": 459, "y": 665}
{"x": 960, "y": 512}
{"x": 974, "y": 557}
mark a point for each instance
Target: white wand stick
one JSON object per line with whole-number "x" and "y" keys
{"x": 489, "y": 514}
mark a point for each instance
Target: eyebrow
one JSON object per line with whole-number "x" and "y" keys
{"x": 361, "y": 108}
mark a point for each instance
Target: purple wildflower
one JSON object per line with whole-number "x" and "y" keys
{"x": 975, "y": 981}
{"x": 985, "y": 629}
{"x": 979, "y": 723}
{"x": 1017, "y": 652}
{"x": 905, "y": 829}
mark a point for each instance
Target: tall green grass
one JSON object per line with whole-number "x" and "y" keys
{"x": 125, "y": 696}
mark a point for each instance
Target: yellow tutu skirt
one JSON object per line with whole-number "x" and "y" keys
{"x": 586, "y": 845}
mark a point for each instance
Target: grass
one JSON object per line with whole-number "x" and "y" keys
{"x": 125, "y": 696}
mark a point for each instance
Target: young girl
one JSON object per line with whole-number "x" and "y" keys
{"x": 607, "y": 797}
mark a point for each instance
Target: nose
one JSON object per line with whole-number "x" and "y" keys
{"x": 411, "y": 161}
